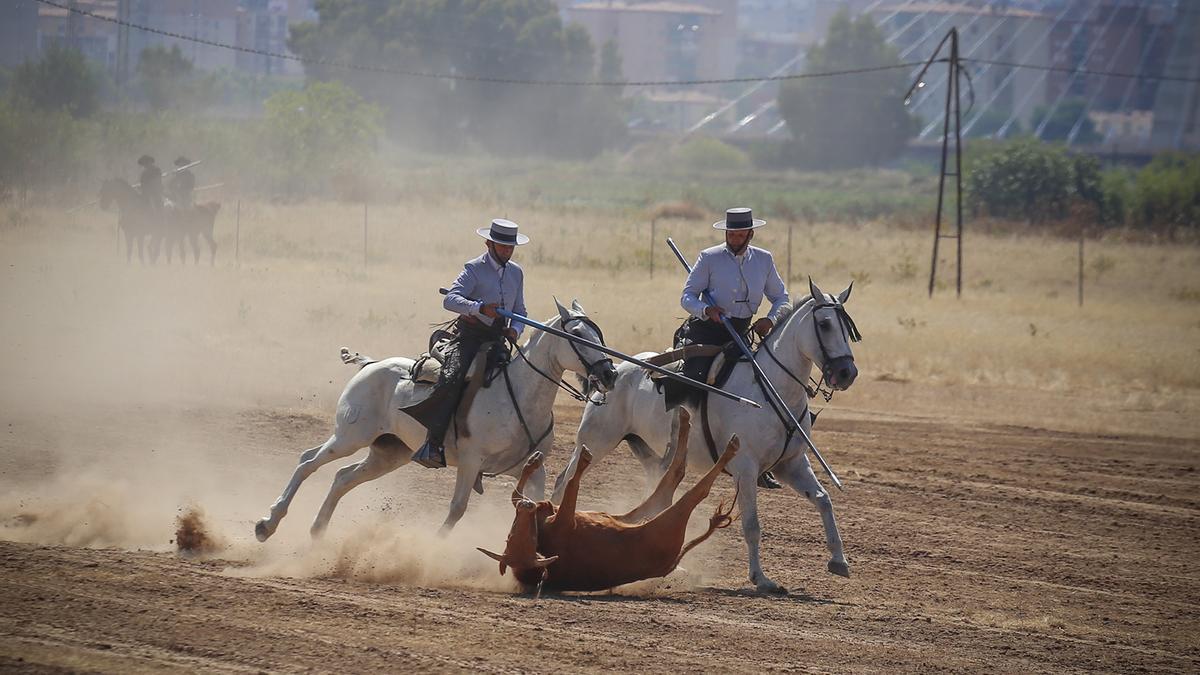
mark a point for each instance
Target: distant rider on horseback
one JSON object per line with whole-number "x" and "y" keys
{"x": 151, "y": 183}
{"x": 181, "y": 187}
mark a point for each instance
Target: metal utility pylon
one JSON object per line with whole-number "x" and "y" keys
{"x": 953, "y": 100}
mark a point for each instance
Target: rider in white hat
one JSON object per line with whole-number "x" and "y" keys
{"x": 486, "y": 283}
{"x": 737, "y": 276}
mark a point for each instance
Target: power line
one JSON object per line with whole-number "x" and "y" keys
{"x": 1085, "y": 71}
{"x": 573, "y": 83}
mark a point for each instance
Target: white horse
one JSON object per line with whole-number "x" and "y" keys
{"x": 816, "y": 332}
{"x": 508, "y": 421}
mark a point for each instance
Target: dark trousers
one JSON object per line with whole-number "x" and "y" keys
{"x": 452, "y": 381}
{"x": 696, "y": 331}
{"x": 704, "y": 332}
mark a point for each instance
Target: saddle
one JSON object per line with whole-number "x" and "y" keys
{"x": 677, "y": 393}
{"x": 478, "y": 374}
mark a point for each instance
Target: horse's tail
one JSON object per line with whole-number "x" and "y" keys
{"x": 356, "y": 359}
{"x": 720, "y": 520}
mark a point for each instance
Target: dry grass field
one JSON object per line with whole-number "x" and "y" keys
{"x": 1021, "y": 474}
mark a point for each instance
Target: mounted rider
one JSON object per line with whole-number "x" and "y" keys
{"x": 151, "y": 183}
{"x": 182, "y": 186}
{"x": 737, "y": 276}
{"x": 490, "y": 281}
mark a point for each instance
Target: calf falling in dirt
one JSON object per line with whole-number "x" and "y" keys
{"x": 568, "y": 550}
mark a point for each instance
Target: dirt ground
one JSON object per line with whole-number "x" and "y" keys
{"x": 1019, "y": 497}
{"x": 974, "y": 546}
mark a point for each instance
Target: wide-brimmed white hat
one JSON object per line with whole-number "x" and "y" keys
{"x": 739, "y": 219}
{"x": 503, "y": 232}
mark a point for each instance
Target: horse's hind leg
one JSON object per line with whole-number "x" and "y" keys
{"x": 387, "y": 453}
{"x": 311, "y": 460}
{"x": 664, "y": 493}
{"x": 682, "y": 509}
{"x": 195, "y": 239}
{"x": 797, "y": 474}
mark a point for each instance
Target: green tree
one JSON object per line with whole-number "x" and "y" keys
{"x": 854, "y": 120}
{"x": 169, "y": 80}
{"x": 1167, "y": 193}
{"x": 318, "y": 131}
{"x": 1063, "y": 120}
{"x": 62, "y": 80}
{"x": 1031, "y": 180}
{"x": 40, "y": 148}
{"x": 506, "y": 39}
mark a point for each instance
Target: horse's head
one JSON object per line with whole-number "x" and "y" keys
{"x": 582, "y": 359}
{"x": 117, "y": 190}
{"x": 108, "y": 192}
{"x": 827, "y": 345}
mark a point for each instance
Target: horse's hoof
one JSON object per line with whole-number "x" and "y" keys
{"x": 768, "y": 586}
{"x": 317, "y": 531}
{"x": 261, "y": 532}
{"x": 839, "y": 568}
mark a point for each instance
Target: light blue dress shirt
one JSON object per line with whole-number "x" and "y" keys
{"x": 484, "y": 281}
{"x": 737, "y": 283}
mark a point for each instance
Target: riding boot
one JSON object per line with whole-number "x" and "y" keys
{"x": 431, "y": 455}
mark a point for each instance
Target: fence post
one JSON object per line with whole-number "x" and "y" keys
{"x": 237, "y": 238}
{"x": 1081, "y": 264}
{"x": 789, "y": 272}
{"x": 653, "y": 222}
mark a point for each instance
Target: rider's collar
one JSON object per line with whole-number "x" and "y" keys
{"x": 493, "y": 262}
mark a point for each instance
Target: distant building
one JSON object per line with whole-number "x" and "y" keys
{"x": 987, "y": 31}
{"x": 18, "y": 31}
{"x": 1128, "y": 129}
{"x": 94, "y": 38}
{"x": 27, "y": 28}
{"x": 675, "y": 110}
{"x": 1177, "y": 103}
{"x": 664, "y": 39}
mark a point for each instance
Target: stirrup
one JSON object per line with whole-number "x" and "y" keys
{"x": 430, "y": 456}
{"x": 767, "y": 480}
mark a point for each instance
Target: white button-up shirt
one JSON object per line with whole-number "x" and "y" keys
{"x": 485, "y": 281}
{"x": 736, "y": 283}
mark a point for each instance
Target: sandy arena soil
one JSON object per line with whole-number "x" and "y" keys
{"x": 974, "y": 546}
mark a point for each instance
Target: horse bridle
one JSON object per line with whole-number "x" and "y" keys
{"x": 590, "y": 368}
{"x": 849, "y": 332}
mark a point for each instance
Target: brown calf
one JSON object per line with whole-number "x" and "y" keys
{"x": 565, "y": 549}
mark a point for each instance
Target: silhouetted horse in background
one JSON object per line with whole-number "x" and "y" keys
{"x": 170, "y": 226}
{"x": 134, "y": 217}
{"x": 191, "y": 223}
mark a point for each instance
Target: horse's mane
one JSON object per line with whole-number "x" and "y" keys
{"x": 783, "y": 318}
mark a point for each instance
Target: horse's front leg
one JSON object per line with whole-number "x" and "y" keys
{"x": 797, "y": 474}
{"x": 746, "y": 474}
{"x": 464, "y": 480}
